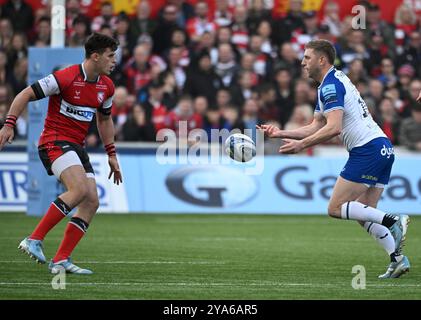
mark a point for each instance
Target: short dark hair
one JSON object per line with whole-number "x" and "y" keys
{"x": 98, "y": 43}
{"x": 324, "y": 47}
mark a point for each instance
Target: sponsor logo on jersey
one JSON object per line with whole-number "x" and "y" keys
{"x": 101, "y": 96}
{"x": 77, "y": 112}
{"x": 387, "y": 152}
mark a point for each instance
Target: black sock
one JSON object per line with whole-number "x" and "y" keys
{"x": 393, "y": 256}
{"x": 389, "y": 220}
{"x": 80, "y": 223}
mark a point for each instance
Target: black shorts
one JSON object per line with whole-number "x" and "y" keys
{"x": 50, "y": 151}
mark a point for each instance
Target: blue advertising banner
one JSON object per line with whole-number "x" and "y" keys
{"x": 42, "y": 62}
{"x": 286, "y": 185}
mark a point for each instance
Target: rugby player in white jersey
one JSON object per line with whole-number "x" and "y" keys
{"x": 340, "y": 110}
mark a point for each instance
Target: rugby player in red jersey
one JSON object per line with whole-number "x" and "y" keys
{"x": 76, "y": 94}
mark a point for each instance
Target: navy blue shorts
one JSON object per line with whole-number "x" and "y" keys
{"x": 371, "y": 163}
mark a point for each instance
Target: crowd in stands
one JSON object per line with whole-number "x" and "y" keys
{"x": 232, "y": 68}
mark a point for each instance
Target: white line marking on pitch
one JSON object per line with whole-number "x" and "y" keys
{"x": 278, "y": 284}
{"x": 129, "y": 262}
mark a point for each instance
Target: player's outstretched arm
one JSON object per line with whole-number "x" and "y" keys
{"x": 106, "y": 132}
{"x": 18, "y": 105}
{"x": 332, "y": 128}
{"x": 272, "y": 131}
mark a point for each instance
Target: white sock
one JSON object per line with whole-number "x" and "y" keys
{"x": 382, "y": 236}
{"x": 354, "y": 210}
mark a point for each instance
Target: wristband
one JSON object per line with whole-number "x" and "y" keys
{"x": 110, "y": 149}
{"x": 10, "y": 121}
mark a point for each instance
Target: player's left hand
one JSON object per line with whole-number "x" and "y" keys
{"x": 419, "y": 98}
{"x": 291, "y": 146}
{"x": 115, "y": 169}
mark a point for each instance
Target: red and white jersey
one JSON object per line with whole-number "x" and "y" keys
{"x": 73, "y": 103}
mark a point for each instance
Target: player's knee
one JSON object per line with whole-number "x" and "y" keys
{"x": 334, "y": 210}
{"x": 80, "y": 192}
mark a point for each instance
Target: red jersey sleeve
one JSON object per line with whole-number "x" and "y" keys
{"x": 108, "y": 102}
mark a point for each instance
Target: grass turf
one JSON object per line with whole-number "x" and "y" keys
{"x": 158, "y": 256}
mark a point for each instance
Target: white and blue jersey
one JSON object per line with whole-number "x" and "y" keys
{"x": 370, "y": 152}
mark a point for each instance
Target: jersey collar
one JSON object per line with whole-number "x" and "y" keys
{"x": 85, "y": 76}
{"x": 328, "y": 71}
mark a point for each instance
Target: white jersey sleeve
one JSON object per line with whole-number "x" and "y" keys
{"x": 46, "y": 87}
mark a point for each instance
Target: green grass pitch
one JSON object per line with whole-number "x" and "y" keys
{"x": 159, "y": 256}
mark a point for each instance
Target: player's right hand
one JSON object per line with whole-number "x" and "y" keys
{"x": 419, "y": 98}
{"x": 270, "y": 130}
{"x": 6, "y": 135}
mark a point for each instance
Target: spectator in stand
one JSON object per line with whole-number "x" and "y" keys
{"x": 18, "y": 49}
{"x": 412, "y": 53}
{"x": 410, "y": 131}
{"x": 263, "y": 61}
{"x": 120, "y": 110}
{"x": 323, "y": 33}
{"x": 293, "y": 21}
{"x": 185, "y": 11}
{"x": 81, "y": 31}
{"x": 377, "y": 50}
{"x": 20, "y": 14}
{"x": 5, "y": 72}
{"x": 242, "y": 90}
{"x": 284, "y": 94}
{"x": 405, "y": 24}
{"x": 331, "y": 18}
{"x": 264, "y": 29}
{"x": 356, "y": 72}
{"x": 240, "y": 33}
{"x": 106, "y": 17}
{"x": 406, "y": 74}
{"x": 138, "y": 69}
{"x": 256, "y": 14}
{"x": 222, "y": 15}
{"x": 375, "y": 91}
{"x": 248, "y": 63}
{"x": 231, "y": 119}
{"x": 288, "y": 59}
{"x": 121, "y": 33}
{"x": 155, "y": 111}
{"x": 375, "y": 22}
{"x": 300, "y": 37}
{"x": 268, "y": 108}
{"x": 387, "y": 76}
{"x": 171, "y": 91}
{"x": 202, "y": 80}
{"x": 164, "y": 29}
{"x": 200, "y": 106}
{"x": 301, "y": 116}
{"x": 213, "y": 121}
{"x": 223, "y": 35}
{"x": 302, "y": 92}
{"x": 141, "y": 23}
{"x": 184, "y": 112}
{"x": 174, "y": 58}
{"x": 223, "y": 98}
{"x": 201, "y": 23}
{"x": 136, "y": 128}
{"x": 43, "y": 32}
{"x": 389, "y": 120}
{"x": 6, "y": 32}
{"x": 72, "y": 12}
{"x": 19, "y": 77}
{"x": 226, "y": 67}
{"x": 250, "y": 116}
{"x": 179, "y": 40}
{"x": 352, "y": 47}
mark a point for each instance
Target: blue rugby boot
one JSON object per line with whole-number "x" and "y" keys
{"x": 398, "y": 231}
{"x": 396, "y": 269}
{"x": 33, "y": 248}
{"x": 68, "y": 266}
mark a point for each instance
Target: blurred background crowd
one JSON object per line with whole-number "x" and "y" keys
{"x": 226, "y": 63}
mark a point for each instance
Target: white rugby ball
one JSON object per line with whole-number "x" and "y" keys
{"x": 240, "y": 147}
